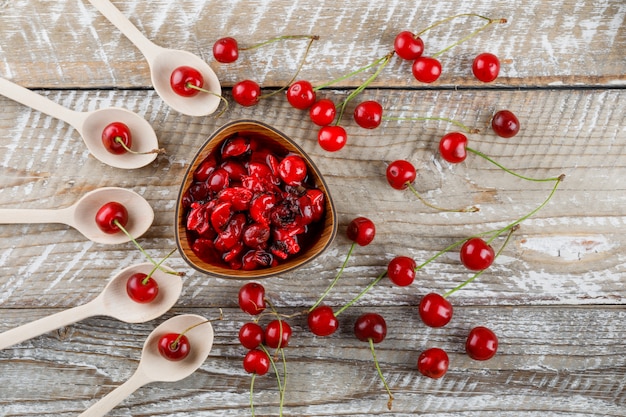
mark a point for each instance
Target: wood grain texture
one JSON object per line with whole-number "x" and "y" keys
{"x": 555, "y": 296}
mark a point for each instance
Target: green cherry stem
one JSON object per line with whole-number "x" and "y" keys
{"x": 362, "y": 293}
{"x": 442, "y": 119}
{"x": 278, "y": 38}
{"x": 380, "y": 374}
{"x": 204, "y": 90}
{"x": 120, "y": 141}
{"x": 281, "y": 385}
{"x": 470, "y": 209}
{"x": 332, "y": 284}
{"x": 157, "y": 266}
{"x": 252, "y": 393}
{"x": 482, "y": 155}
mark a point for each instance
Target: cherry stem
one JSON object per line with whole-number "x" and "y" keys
{"x": 147, "y": 278}
{"x": 174, "y": 344}
{"x": 353, "y": 73}
{"x": 281, "y": 385}
{"x": 443, "y": 119}
{"x": 252, "y": 394}
{"x": 482, "y": 155}
{"x": 380, "y": 373}
{"x": 470, "y": 209}
{"x": 279, "y": 38}
{"x": 308, "y": 48}
{"x": 204, "y": 90}
{"x": 497, "y": 232}
{"x": 362, "y": 293}
{"x": 118, "y": 139}
{"x": 488, "y": 19}
{"x": 142, "y": 250}
{"x": 476, "y": 275}
{"x": 332, "y": 284}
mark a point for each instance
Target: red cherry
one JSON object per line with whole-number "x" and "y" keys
{"x": 251, "y": 335}
{"x": 476, "y": 254}
{"x": 370, "y": 326}
{"x": 322, "y": 112}
{"x": 400, "y": 174}
{"x": 292, "y": 170}
{"x": 361, "y": 231}
{"x": 401, "y": 270}
{"x": 247, "y": 93}
{"x": 486, "y": 67}
{"x": 226, "y": 50}
{"x": 174, "y": 346}
{"x": 505, "y": 124}
{"x": 481, "y": 344}
{"x": 252, "y": 298}
{"x": 452, "y": 147}
{"x": 435, "y": 310}
{"x": 110, "y": 214}
{"x": 301, "y": 95}
{"x": 426, "y": 69}
{"x": 407, "y": 46}
{"x": 322, "y": 321}
{"x": 142, "y": 289}
{"x": 368, "y": 114}
{"x": 256, "y": 362}
{"x": 255, "y": 235}
{"x": 332, "y": 138}
{"x": 277, "y": 334}
{"x": 184, "y": 79}
{"x": 116, "y": 138}
{"x": 433, "y": 363}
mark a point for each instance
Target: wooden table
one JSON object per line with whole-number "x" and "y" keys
{"x": 555, "y": 296}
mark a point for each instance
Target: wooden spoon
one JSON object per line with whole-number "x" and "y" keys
{"x": 155, "y": 368}
{"x": 163, "y": 61}
{"x": 91, "y": 124}
{"x": 81, "y": 215}
{"x": 113, "y": 301}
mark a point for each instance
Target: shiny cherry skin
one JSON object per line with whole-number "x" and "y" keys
{"x": 505, "y": 124}
{"x": 246, "y": 93}
{"x": 226, "y": 50}
{"x": 141, "y": 288}
{"x": 481, "y": 343}
{"x": 426, "y": 69}
{"x": 433, "y": 363}
{"x": 252, "y": 298}
{"x": 110, "y": 214}
{"x": 277, "y": 334}
{"x": 370, "y": 326}
{"x": 301, "y": 95}
{"x": 183, "y": 80}
{"x": 256, "y": 362}
{"x": 486, "y": 67}
{"x": 322, "y": 112}
{"x": 322, "y": 321}
{"x": 453, "y": 147}
{"x": 116, "y": 138}
{"x": 407, "y": 46}
{"x": 361, "y": 231}
{"x": 400, "y": 174}
{"x": 476, "y": 254}
{"x": 251, "y": 335}
{"x": 401, "y": 270}
{"x": 368, "y": 114}
{"x": 332, "y": 138}
{"x": 435, "y": 310}
{"x": 174, "y": 346}
{"x": 292, "y": 170}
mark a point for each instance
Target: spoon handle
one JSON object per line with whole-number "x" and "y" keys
{"x": 113, "y": 398}
{"x": 112, "y": 13}
{"x": 24, "y": 216}
{"x": 31, "y": 99}
{"x": 46, "y": 324}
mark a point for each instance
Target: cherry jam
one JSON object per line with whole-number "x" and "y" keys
{"x": 252, "y": 204}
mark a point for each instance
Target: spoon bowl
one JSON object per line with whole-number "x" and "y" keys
{"x": 155, "y": 368}
{"x": 113, "y": 301}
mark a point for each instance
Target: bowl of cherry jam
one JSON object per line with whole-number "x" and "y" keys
{"x": 252, "y": 204}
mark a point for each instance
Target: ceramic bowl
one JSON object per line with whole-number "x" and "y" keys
{"x": 327, "y": 226}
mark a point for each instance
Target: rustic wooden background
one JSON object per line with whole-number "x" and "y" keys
{"x": 555, "y": 297}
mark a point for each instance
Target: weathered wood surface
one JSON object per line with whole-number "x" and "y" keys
{"x": 555, "y": 297}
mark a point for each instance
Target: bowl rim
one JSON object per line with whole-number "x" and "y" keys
{"x": 329, "y": 230}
